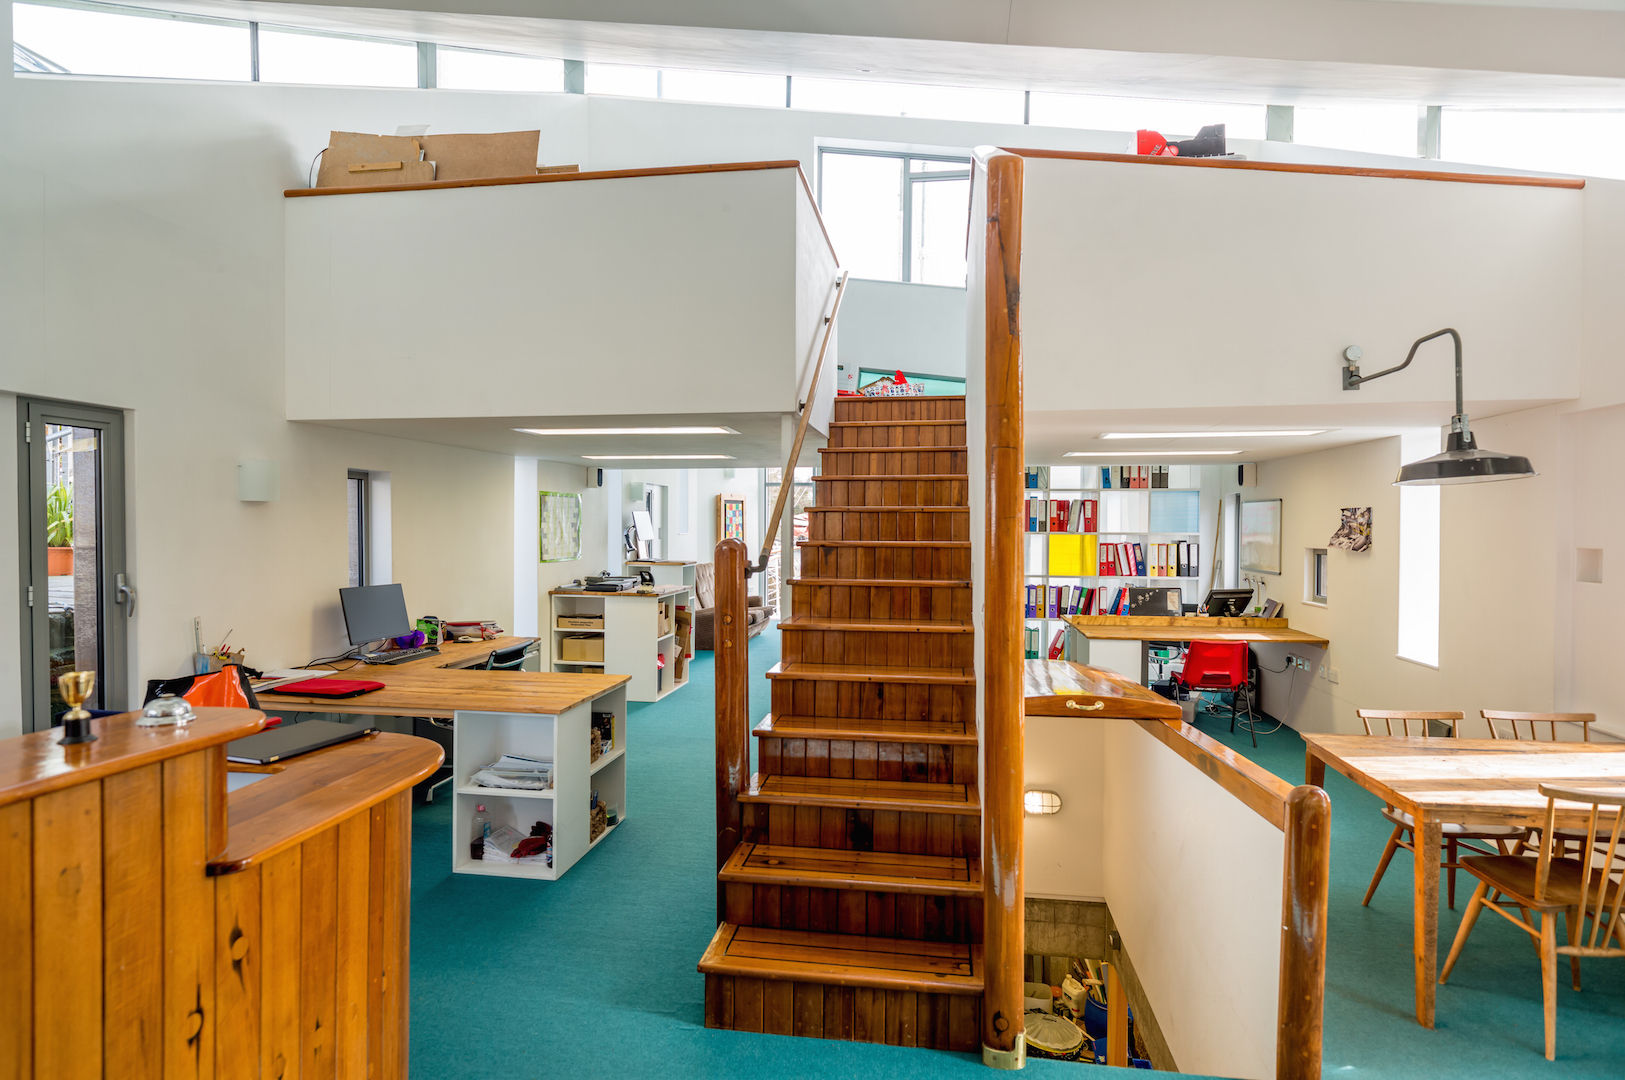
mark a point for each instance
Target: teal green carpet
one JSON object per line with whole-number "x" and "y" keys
{"x": 1488, "y": 1016}
{"x": 593, "y": 975}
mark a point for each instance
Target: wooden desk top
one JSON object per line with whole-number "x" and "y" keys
{"x": 1051, "y": 684}
{"x": 437, "y": 686}
{"x": 1476, "y": 781}
{"x": 659, "y": 591}
{"x": 316, "y": 790}
{"x": 660, "y": 562}
{"x": 1190, "y": 628}
{"x": 34, "y": 764}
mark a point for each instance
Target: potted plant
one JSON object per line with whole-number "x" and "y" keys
{"x": 59, "y": 531}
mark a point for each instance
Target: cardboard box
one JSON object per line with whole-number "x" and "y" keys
{"x": 582, "y": 647}
{"x": 580, "y": 622}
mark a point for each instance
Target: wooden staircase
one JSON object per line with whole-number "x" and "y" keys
{"x": 852, "y": 906}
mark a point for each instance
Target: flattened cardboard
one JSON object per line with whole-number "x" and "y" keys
{"x": 481, "y": 157}
{"x": 346, "y": 148}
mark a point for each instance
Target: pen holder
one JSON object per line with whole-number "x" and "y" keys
{"x": 203, "y": 663}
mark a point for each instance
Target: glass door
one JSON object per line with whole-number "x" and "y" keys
{"x": 77, "y": 597}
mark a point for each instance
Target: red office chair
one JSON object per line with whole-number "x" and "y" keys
{"x": 1219, "y": 666}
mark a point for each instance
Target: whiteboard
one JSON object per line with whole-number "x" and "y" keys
{"x": 1261, "y": 536}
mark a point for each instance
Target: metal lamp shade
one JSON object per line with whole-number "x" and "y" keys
{"x": 1464, "y": 463}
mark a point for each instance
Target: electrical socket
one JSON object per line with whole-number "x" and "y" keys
{"x": 1291, "y": 661}
{"x": 1331, "y": 675}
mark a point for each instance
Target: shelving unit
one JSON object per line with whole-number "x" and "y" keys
{"x": 664, "y": 571}
{"x": 1147, "y": 516}
{"x": 639, "y": 631}
{"x": 565, "y": 739}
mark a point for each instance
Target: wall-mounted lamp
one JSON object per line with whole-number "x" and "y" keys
{"x": 1462, "y": 461}
{"x": 1041, "y": 802}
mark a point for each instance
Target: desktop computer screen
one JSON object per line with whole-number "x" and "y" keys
{"x": 1160, "y": 600}
{"x": 373, "y": 612}
{"x": 1228, "y": 603}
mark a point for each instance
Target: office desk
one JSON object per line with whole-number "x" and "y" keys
{"x": 537, "y": 714}
{"x": 1466, "y": 781}
{"x": 1118, "y": 641}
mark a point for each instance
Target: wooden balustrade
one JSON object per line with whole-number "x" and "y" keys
{"x": 733, "y": 699}
{"x": 1003, "y": 740}
{"x": 1305, "y": 889}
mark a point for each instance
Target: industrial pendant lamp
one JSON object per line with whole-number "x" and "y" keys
{"x": 1462, "y": 461}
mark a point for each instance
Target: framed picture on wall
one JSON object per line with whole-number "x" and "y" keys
{"x": 1261, "y": 535}
{"x": 730, "y": 518}
{"x": 560, "y": 526}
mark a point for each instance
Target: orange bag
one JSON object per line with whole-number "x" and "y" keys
{"x": 226, "y": 688}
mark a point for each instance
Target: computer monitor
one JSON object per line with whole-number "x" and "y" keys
{"x": 1158, "y": 600}
{"x": 373, "y": 612}
{"x": 1227, "y": 603}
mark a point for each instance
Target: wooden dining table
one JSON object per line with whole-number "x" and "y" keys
{"x": 1465, "y": 781}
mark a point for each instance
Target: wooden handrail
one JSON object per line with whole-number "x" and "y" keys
{"x": 731, "y": 641}
{"x": 1003, "y": 737}
{"x": 787, "y": 480}
{"x": 547, "y": 178}
{"x": 1254, "y": 786}
{"x": 1296, "y": 167}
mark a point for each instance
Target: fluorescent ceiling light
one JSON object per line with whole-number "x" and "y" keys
{"x": 1149, "y": 453}
{"x": 1212, "y": 434}
{"x": 664, "y": 457}
{"x": 629, "y": 431}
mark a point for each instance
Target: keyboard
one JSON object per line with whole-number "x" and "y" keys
{"x": 399, "y": 656}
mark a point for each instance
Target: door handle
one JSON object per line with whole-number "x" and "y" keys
{"x": 124, "y": 593}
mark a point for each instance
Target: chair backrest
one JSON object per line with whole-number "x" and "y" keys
{"x": 1412, "y": 723}
{"x": 705, "y": 581}
{"x": 1216, "y": 663}
{"x": 1527, "y": 725}
{"x": 1601, "y": 896}
{"x": 507, "y": 659}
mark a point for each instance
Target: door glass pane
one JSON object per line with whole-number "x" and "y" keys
{"x": 861, "y": 197}
{"x": 73, "y": 478}
{"x": 941, "y": 216}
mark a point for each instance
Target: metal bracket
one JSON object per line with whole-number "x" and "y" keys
{"x": 1013, "y": 1058}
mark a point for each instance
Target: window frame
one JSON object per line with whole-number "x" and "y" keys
{"x": 1316, "y": 571}
{"x": 358, "y": 543}
{"x": 908, "y": 178}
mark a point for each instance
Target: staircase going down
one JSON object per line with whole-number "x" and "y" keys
{"x": 853, "y": 904}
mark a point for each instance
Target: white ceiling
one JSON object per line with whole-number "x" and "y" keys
{"x": 1034, "y": 45}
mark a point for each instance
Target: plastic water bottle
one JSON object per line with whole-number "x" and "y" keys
{"x": 482, "y": 829}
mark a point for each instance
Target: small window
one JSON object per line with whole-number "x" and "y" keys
{"x": 1314, "y": 585}
{"x": 474, "y": 69}
{"x": 722, "y": 87}
{"x": 48, "y": 39}
{"x": 304, "y": 56}
{"x": 357, "y": 527}
{"x": 623, "y": 80}
{"x": 897, "y": 216}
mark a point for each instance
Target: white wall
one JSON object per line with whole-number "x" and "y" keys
{"x": 699, "y": 542}
{"x": 897, "y": 326}
{"x": 1067, "y": 755}
{"x": 1587, "y": 642}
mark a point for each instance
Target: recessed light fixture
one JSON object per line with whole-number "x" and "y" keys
{"x": 657, "y": 457}
{"x": 1149, "y": 453}
{"x": 1213, "y": 434}
{"x": 628, "y": 431}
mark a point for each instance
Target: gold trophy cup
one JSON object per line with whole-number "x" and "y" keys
{"x": 75, "y": 687}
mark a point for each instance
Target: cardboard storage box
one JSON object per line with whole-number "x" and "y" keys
{"x": 581, "y": 622}
{"x": 582, "y": 647}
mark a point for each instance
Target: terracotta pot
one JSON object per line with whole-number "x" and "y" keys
{"x": 58, "y": 561}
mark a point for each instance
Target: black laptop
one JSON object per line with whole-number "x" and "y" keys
{"x": 291, "y": 740}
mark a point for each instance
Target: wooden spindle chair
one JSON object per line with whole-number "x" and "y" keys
{"x": 1413, "y": 723}
{"x": 1529, "y": 726}
{"x": 1550, "y": 884}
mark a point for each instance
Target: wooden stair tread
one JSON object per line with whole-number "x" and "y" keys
{"x": 859, "y": 399}
{"x": 873, "y": 626}
{"x": 845, "y": 792}
{"x": 886, "y": 583}
{"x": 885, "y": 543}
{"x": 871, "y": 673}
{"x": 895, "y": 423}
{"x": 890, "y": 449}
{"x": 864, "y": 729}
{"x": 828, "y": 868}
{"x": 893, "y": 476}
{"x": 898, "y": 509}
{"x": 761, "y": 952}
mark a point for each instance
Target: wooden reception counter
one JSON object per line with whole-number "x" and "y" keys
{"x": 153, "y": 925}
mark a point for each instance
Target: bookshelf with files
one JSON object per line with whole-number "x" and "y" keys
{"x": 1093, "y": 531}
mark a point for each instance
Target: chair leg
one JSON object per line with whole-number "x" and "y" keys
{"x": 1474, "y": 906}
{"x": 1382, "y": 863}
{"x": 1548, "y": 979}
{"x": 1574, "y": 927}
{"x": 1252, "y": 723}
{"x": 1450, "y": 874}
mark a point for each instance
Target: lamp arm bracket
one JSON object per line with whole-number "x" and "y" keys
{"x": 1353, "y": 380}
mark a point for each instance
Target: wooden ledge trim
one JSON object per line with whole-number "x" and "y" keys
{"x": 555, "y": 178}
{"x": 1573, "y": 183}
{"x": 1255, "y": 786}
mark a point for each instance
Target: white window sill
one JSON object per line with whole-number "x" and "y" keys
{"x": 1314, "y": 603}
{"x": 1418, "y": 663}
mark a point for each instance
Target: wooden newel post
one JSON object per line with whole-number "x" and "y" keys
{"x": 1305, "y": 889}
{"x": 733, "y": 698}
{"x": 1003, "y": 746}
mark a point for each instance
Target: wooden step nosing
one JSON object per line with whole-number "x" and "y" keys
{"x": 890, "y": 449}
{"x": 955, "y": 544}
{"x": 895, "y": 476}
{"x": 945, "y": 676}
{"x": 721, "y": 959}
{"x": 768, "y": 729}
{"x": 969, "y": 806}
{"x": 888, "y": 583}
{"x": 964, "y": 880}
{"x": 870, "y": 626}
{"x": 899, "y": 508}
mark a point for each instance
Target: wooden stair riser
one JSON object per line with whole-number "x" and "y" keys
{"x": 936, "y": 763}
{"x": 912, "y": 603}
{"x": 892, "y": 491}
{"x": 820, "y": 697}
{"x": 910, "y": 832}
{"x": 925, "y": 562}
{"x": 917, "y": 917}
{"x": 853, "y": 1013}
{"x": 917, "y": 408}
{"x": 891, "y": 462}
{"x": 904, "y": 649}
{"x": 871, "y": 433}
{"x": 888, "y": 524}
